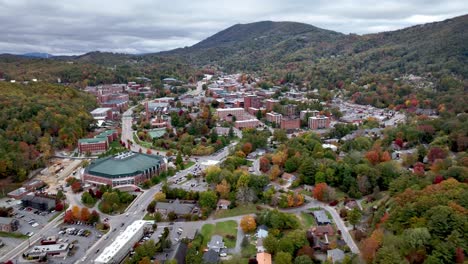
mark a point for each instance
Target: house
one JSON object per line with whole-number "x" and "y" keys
{"x": 262, "y": 231}
{"x": 216, "y": 243}
{"x": 321, "y": 231}
{"x": 288, "y": 177}
{"x": 181, "y": 252}
{"x": 260, "y": 247}
{"x": 263, "y": 258}
{"x": 211, "y": 256}
{"x": 176, "y": 206}
{"x": 223, "y": 204}
{"x": 8, "y": 224}
{"x": 335, "y": 255}
{"x": 351, "y": 204}
{"x": 321, "y": 217}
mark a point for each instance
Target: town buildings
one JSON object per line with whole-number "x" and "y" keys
{"x": 124, "y": 242}
{"x": 290, "y": 124}
{"x": 319, "y": 122}
{"x": 274, "y": 117}
{"x": 129, "y": 168}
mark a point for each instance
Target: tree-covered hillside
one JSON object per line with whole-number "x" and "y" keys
{"x": 35, "y": 119}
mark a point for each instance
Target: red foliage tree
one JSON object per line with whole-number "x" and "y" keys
{"x": 247, "y": 148}
{"x": 68, "y": 217}
{"x": 438, "y": 179}
{"x": 76, "y": 187}
{"x": 264, "y": 164}
{"x": 418, "y": 168}
{"x": 399, "y": 142}
{"x": 149, "y": 152}
{"x": 459, "y": 255}
{"x": 98, "y": 194}
{"x": 91, "y": 192}
{"x": 319, "y": 191}
{"x": 385, "y": 156}
{"x": 59, "y": 207}
{"x": 436, "y": 153}
{"x": 373, "y": 157}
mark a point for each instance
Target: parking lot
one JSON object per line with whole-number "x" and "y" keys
{"x": 30, "y": 219}
{"x": 81, "y": 236}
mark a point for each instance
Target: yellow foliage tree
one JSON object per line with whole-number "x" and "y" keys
{"x": 223, "y": 189}
{"x": 274, "y": 172}
{"x": 160, "y": 196}
{"x": 76, "y": 212}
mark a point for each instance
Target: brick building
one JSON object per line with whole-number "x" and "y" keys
{"x": 311, "y": 113}
{"x": 227, "y": 113}
{"x": 249, "y": 123}
{"x": 290, "y": 124}
{"x": 289, "y": 109}
{"x": 38, "y": 202}
{"x": 270, "y": 104}
{"x": 252, "y": 101}
{"x": 274, "y": 117}
{"x": 98, "y": 144}
{"x": 129, "y": 168}
{"x": 318, "y": 122}
{"x": 102, "y": 113}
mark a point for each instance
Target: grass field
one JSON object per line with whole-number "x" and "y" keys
{"x": 224, "y": 229}
{"x": 308, "y": 220}
{"x": 15, "y": 235}
{"x": 240, "y": 210}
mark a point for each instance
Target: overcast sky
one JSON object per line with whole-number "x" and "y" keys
{"x": 140, "y": 26}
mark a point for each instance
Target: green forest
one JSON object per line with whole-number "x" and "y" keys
{"x": 36, "y": 118}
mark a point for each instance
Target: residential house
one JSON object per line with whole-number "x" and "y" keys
{"x": 262, "y": 231}
{"x": 211, "y": 256}
{"x": 321, "y": 231}
{"x": 335, "y": 255}
{"x": 288, "y": 177}
{"x": 8, "y": 224}
{"x": 321, "y": 217}
{"x": 216, "y": 243}
{"x": 263, "y": 258}
{"x": 176, "y": 206}
{"x": 223, "y": 204}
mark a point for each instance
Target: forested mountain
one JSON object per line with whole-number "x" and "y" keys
{"x": 35, "y": 119}
{"x": 433, "y": 47}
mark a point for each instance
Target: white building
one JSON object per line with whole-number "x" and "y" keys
{"x": 116, "y": 251}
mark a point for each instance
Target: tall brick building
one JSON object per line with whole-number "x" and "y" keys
{"x": 252, "y": 101}
{"x": 290, "y": 124}
{"x": 318, "y": 122}
{"x": 274, "y": 117}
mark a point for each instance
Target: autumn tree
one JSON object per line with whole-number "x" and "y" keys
{"x": 320, "y": 191}
{"x": 264, "y": 164}
{"x": 160, "y": 196}
{"x": 436, "y": 153}
{"x": 84, "y": 214}
{"x": 247, "y": 148}
{"x": 223, "y": 189}
{"x": 68, "y": 217}
{"x": 275, "y": 172}
{"x": 75, "y": 212}
{"x": 371, "y": 244}
{"x": 248, "y": 223}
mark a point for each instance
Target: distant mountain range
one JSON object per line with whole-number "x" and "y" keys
{"x": 439, "y": 47}
{"x": 37, "y": 55}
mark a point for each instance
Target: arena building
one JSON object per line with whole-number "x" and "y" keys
{"x": 130, "y": 168}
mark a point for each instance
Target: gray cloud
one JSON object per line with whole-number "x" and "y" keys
{"x": 141, "y": 26}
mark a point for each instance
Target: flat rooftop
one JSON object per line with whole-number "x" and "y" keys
{"x": 121, "y": 241}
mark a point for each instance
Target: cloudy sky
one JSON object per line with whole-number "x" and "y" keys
{"x": 140, "y": 26}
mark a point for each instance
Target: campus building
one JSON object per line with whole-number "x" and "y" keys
{"x": 249, "y": 123}
{"x": 252, "y": 101}
{"x": 124, "y": 242}
{"x": 270, "y": 104}
{"x": 98, "y": 144}
{"x": 38, "y": 202}
{"x": 130, "y": 168}
{"x": 318, "y": 122}
{"x": 290, "y": 124}
{"x": 228, "y": 113}
{"x": 274, "y": 117}
{"x": 102, "y": 113}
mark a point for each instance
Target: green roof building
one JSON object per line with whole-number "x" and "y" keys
{"x": 129, "y": 168}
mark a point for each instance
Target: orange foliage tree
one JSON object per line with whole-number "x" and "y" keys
{"x": 247, "y": 148}
{"x": 248, "y": 223}
{"x": 223, "y": 189}
{"x": 264, "y": 164}
{"x": 371, "y": 244}
{"x": 319, "y": 191}
{"x": 75, "y": 212}
{"x": 85, "y": 214}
